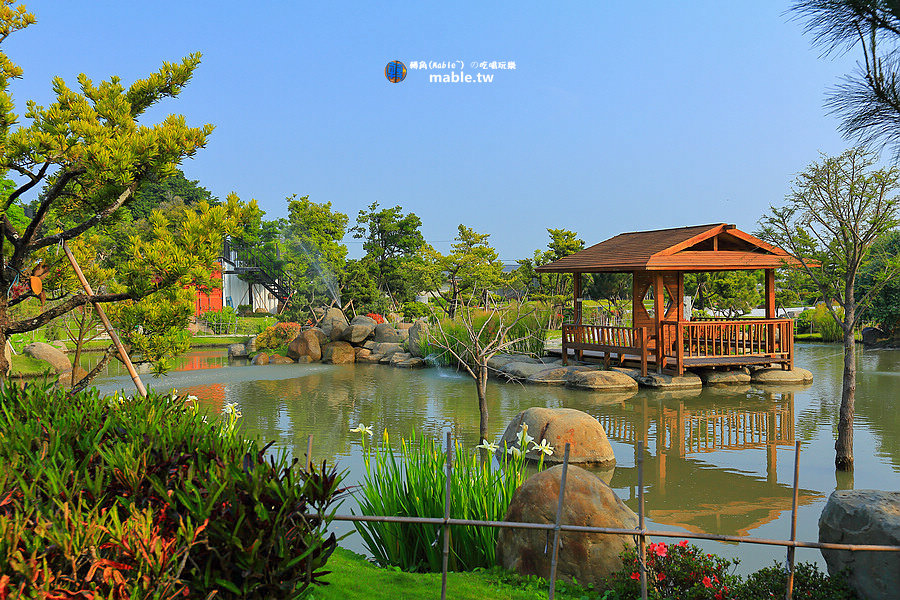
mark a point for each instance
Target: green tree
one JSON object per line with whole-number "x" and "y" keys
{"x": 869, "y": 99}
{"x": 556, "y": 288}
{"x": 392, "y": 241}
{"x": 885, "y": 302}
{"x": 314, "y": 254}
{"x": 87, "y": 153}
{"x": 729, "y": 293}
{"x": 151, "y": 193}
{"x": 833, "y": 215}
{"x": 471, "y": 265}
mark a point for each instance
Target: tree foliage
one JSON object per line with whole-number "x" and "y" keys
{"x": 84, "y": 156}
{"x": 868, "y": 100}
{"x": 151, "y": 193}
{"x": 727, "y": 293}
{"x": 833, "y": 215}
{"x": 315, "y": 255}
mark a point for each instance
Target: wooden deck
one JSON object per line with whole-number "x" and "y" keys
{"x": 677, "y": 345}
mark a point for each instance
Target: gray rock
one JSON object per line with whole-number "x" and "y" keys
{"x": 320, "y": 335}
{"x": 250, "y": 344}
{"x": 602, "y": 381}
{"x": 237, "y": 351}
{"x": 359, "y": 329}
{"x": 661, "y": 381}
{"x": 864, "y": 517}
{"x": 721, "y": 378}
{"x": 413, "y": 362}
{"x": 873, "y": 335}
{"x": 522, "y": 370}
{"x": 418, "y": 334}
{"x": 585, "y": 435}
{"x": 333, "y": 323}
{"x": 59, "y": 345}
{"x": 587, "y": 557}
{"x": 778, "y": 375}
{"x": 555, "y": 375}
{"x": 387, "y": 348}
{"x": 54, "y": 356}
{"x": 498, "y": 361}
{"x": 371, "y": 358}
{"x": 338, "y": 353}
{"x": 398, "y": 357}
{"x": 385, "y": 332}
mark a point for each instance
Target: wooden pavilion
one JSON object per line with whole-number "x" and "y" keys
{"x": 664, "y": 337}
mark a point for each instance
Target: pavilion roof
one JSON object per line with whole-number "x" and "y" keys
{"x": 714, "y": 247}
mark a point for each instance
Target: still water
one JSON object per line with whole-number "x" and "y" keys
{"x": 717, "y": 460}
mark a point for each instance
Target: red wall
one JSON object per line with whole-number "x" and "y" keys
{"x": 212, "y": 300}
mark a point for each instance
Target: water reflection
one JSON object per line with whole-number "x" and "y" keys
{"x": 716, "y": 460}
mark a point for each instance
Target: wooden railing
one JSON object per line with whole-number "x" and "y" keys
{"x": 697, "y": 341}
{"x": 606, "y": 339}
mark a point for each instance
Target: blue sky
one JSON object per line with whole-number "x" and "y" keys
{"x": 619, "y": 116}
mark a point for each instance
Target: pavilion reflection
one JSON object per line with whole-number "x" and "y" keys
{"x": 680, "y": 439}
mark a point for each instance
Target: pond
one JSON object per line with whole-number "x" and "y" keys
{"x": 717, "y": 460}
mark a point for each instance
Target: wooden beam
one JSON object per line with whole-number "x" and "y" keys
{"x": 659, "y": 308}
{"x": 576, "y": 305}
{"x": 770, "y": 293}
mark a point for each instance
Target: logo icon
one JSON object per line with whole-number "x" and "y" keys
{"x": 395, "y": 71}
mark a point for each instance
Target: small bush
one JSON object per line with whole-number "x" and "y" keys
{"x": 244, "y": 310}
{"x": 824, "y": 324}
{"x": 278, "y": 335}
{"x": 142, "y": 498}
{"x": 221, "y": 321}
{"x": 415, "y": 310}
{"x": 376, "y": 317}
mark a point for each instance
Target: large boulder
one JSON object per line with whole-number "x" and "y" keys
{"x": 864, "y": 517}
{"x": 721, "y": 378}
{"x": 872, "y": 336}
{"x": 386, "y": 348}
{"x": 305, "y": 344}
{"x": 57, "y": 358}
{"x": 338, "y": 353}
{"x": 418, "y": 334}
{"x": 237, "y": 351}
{"x": 359, "y": 329}
{"x": 404, "y": 360}
{"x": 587, "y": 557}
{"x": 585, "y": 435}
{"x": 777, "y": 375}
{"x": 277, "y": 359}
{"x": 260, "y": 359}
{"x": 385, "y": 332}
{"x": 333, "y": 323}
{"x": 522, "y": 370}
{"x": 662, "y": 381}
{"x": 320, "y": 335}
{"x": 250, "y": 344}
{"x": 602, "y": 381}
{"x": 498, "y": 361}
{"x": 556, "y": 375}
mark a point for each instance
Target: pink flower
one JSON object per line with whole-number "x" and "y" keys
{"x": 707, "y": 582}
{"x": 682, "y": 543}
{"x": 661, "y": 550}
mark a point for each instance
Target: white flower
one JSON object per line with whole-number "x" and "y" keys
{"x": 362, "y": 429}
{"x": 515, "y": 452}
{"x": 544, "y": 447}
{"x": 191, "y": 398}
{"x": 524, "y": 438}
{"x": 231, "y": 408}
{"x": 489, "y": 446}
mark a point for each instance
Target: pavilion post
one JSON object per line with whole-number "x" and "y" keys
{"x": 576, "y": 305}
{"x": 770, "y": 310}
{"x": 659, "y": 308}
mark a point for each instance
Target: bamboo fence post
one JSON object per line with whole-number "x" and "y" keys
{"x": 642, "y": 541}
{"x": 789, "y": 589}
{"x": 109, "y": 328}
{"x": 446, "y": 558}
{"x": 555, "y": 550}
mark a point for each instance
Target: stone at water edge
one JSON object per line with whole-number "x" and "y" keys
{"x": 602, "y": 381}
{"x": 386, "y": 348}
{"x": 586, "y": 437}
{"x": 305, "y": 344}
{"x": 555, "y": 375}
{"x": 338, "y": 353}
{"x": 864, "y": 517}
{"x": 418, "y": 333}
{"x": 320, "y": 335}
{"x": 237, "y": 351}
{"x": 55, "y": 357}
{"x": 729, "y": 377}
{"x": 662, "y": 381}
{"x": 277, "y": 359}
{"x": 586, "y": 557}
{"x": 778, "y": 375}
{"x": 522, "y": 370}
{"x": 260, "y": 359}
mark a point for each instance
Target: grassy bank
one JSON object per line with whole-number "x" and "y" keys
{"x": 354, "y": 578}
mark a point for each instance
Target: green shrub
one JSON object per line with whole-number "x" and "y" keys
{"x": 221, "y": 321}
{"x": 142, "y": 498}
{"x": 809, "y": 582}
{"x": 415, "y": 310}
{"x": 413, "y": 485}
{"x": 804, "y": 321}
{"x": 824, "y": 324}
{"x": 278, "y": 335}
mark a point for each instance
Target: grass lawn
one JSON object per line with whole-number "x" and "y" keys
{"x": 27, "y": 366}
{"x": 353, "y": 577}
